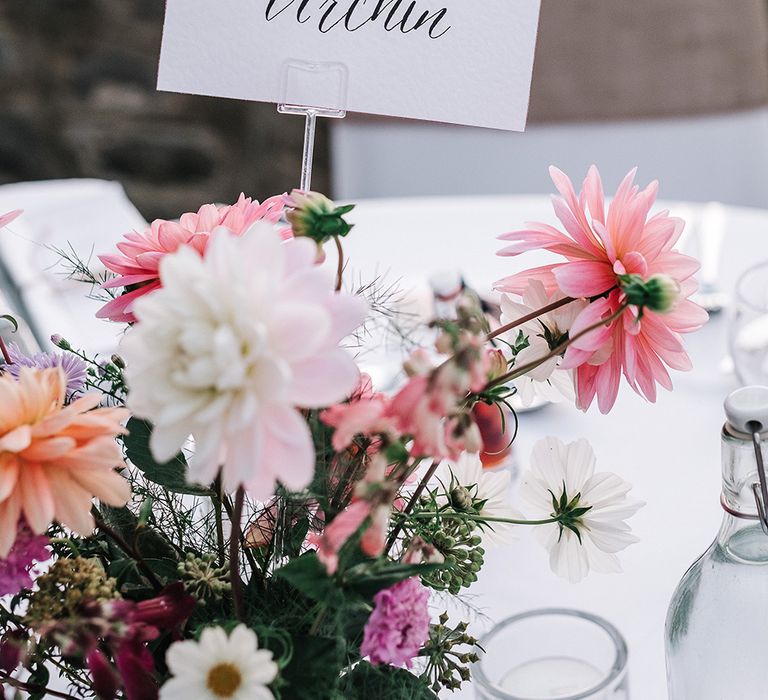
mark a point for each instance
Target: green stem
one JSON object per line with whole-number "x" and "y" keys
{"x": 234, "y": 556}
{"x": 520, "y": 371}
{"x": 340, "y": 266}
{"x": 217, "y": 509}
{"x": 480, "y": 518}
{"x": 128, "y": 549}
{"x": 411, "y": 504}
{"x": 530, "y": 317}
{"x": 32, "y": 688}
{"x": 317, "y": 622}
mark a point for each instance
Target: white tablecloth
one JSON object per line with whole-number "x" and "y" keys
{"x": 670, "y": 451}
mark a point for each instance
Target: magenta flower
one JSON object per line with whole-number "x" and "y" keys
{"x": 399, "y": 624}
{"x": 17, "y": 569}
{"x": 75, "y": 369}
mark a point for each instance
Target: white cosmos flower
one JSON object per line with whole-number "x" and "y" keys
{"x": 546, "y": 381}
{"x": 465, "y": 485}
{"x": 557, "y": 468}
{"x": 229, "y": 347}
{"x": 219, "y": 667}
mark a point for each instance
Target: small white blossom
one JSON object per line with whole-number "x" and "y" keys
{"x": 593, "y": 508}
{"x": 546, "y": 381}
{"x": 220, "y": 666}
{"x": 466, "y": 486}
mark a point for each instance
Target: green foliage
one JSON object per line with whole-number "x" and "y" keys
{"x": 366, "y": 682}
{"x": 313, "y": 672}
{"x": 172, "y": 475}
{"x": 308, "y": 576}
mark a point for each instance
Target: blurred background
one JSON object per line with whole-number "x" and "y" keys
{"x": 679, "y": 88}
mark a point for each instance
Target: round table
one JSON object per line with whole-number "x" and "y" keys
{"x": 669, "y": 451}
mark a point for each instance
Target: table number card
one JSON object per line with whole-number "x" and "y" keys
{"x": 458, "y": 61}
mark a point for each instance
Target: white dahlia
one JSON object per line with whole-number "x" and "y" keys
{"x": 227, "y": 350}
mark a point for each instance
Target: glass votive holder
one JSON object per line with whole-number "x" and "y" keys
{"x": 552, "y": 654}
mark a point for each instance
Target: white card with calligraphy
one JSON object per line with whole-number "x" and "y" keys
{"x": 457, "y": 61}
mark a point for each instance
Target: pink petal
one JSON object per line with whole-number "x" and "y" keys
{"x": 585, "y": 278}
{"x": 594, "y": 195}
{"x": 324, "y": 380}
{"x": 119, "y": 309}
{"x": 518, "y": 283}
{"x": 288, "y": 445}
{"x": 9, "y": 217}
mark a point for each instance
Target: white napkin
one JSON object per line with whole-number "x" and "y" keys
{"x": 89, "y": 215}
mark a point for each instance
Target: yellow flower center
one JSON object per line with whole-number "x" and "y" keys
{"x": 224, "y": 680}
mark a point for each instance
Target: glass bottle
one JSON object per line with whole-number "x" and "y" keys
{"x": 717, "y": 624}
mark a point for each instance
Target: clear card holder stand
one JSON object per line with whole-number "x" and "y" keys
{"x": 313, "y": 90}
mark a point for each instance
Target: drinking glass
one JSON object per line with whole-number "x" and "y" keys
{"x": 552, "y": 654}
{"x": 748, "y": 333}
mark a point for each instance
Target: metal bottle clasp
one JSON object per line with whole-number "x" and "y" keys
{"x": 760, "y": 489}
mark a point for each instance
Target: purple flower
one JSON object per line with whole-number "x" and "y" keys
{"x": 399, "y": 624}
{"x": 74, "y": 368}
{"x": 16, "y": 570}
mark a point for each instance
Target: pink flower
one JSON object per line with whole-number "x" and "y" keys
{"x": 374, "y": 538}
{"x": 10, "y": 217}
{"x": 336, "y": 534}
{"x": 399, "y": 624}
{"x": 603, "y": 248}
{"x": 137, "y": 265}
{"x": 17, "y": 568}
{"x": 363, "y": 417}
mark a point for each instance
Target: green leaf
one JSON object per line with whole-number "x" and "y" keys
{"x": 308, "y": 576}
{"x": 148, "y": 541}
{"x": 367, "y": 580}
{"x": 172, "y": 475}
{"x": 314, "y": 668}
{"x": 367, "y": 681}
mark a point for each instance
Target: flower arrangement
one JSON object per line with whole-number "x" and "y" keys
{"x": 229, "y": 509}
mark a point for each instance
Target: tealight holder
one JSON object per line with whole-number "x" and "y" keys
{"x": 552, "y": 654}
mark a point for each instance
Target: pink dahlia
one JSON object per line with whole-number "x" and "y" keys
{"x": 607, "y": 251}
{"x": 17, "y": 568}
{"x": 399, "y": 624}
{"x": 137, "y": 265}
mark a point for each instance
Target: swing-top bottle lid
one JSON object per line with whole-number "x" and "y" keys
{"x": 747, "y": 409}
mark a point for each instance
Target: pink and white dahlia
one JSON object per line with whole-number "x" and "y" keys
{"x": 227, "y": 350}
{"x": 607, "y": 251}
{"x": 137, "y": 265}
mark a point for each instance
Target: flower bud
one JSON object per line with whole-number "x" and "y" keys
{"x": 118, "y": 361}
{"x": 461, "y": 498}
{"x": 60, "y": 342}
{"x": 658, "y": 293}
{"x": 497, "y": 364}
{"x": 418, "y": 363}
{"x": 314, "y": 216}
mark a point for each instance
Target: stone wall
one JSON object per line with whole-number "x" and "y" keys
{"x": 78, "y": 99}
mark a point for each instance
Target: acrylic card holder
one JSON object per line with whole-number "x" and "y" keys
{"x": 313, "y": 90}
